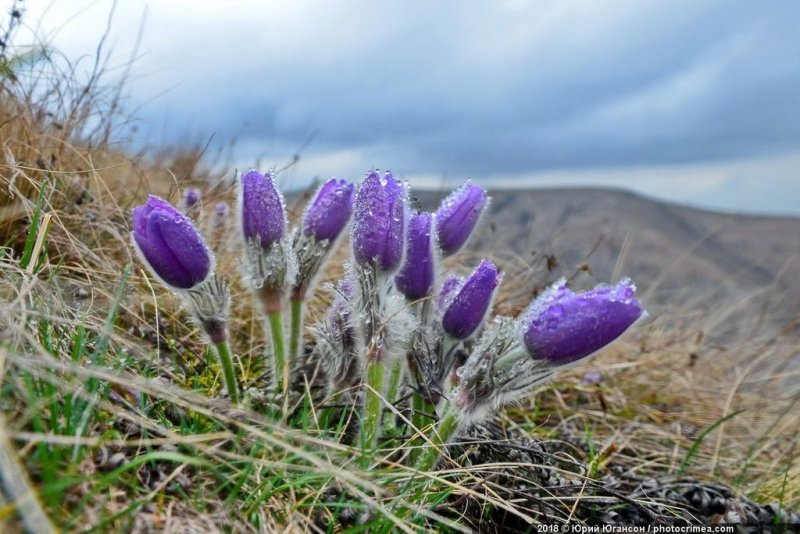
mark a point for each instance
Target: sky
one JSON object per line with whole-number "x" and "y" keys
{"x": 694, "y": 102}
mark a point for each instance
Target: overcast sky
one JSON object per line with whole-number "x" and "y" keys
{"x": 697, "y": 102}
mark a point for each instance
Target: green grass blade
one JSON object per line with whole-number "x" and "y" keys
{"x": 699, "y": 441}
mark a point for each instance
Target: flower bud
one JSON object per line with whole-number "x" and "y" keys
{"x": 379, "y": 222}
{"x": 262, "y": 207}
{"x": 562, "y": 326}
{"x": 191, "y": 197}
{"x": 458, "y": 215}
{"x": 170, "y": 244}
{"x": 471, "y": 301}
{"x": 327, "y": 215}
{"x": 415, "y": 279}
{"x": 220, "y": 214}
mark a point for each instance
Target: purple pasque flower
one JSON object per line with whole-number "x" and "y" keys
{"x": 262, "y": 207}
{"x": 470, "y": 302}
{"x": 191, "y": 197}
{"x": 379, "y": 224}
{"x": 562, "y": 326}
{"x": 170, "y": 244}
{"x": 327, "y": 215}
{"x": 458, "y": 215}
{"x": 416, "y": 277}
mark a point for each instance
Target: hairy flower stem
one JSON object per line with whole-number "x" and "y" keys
{"x": 370, "y": 424}
{"x": 395, "y": 379}
{"x": 424, "y": 413}
{"x": 279, "y": 351}
{"x": 272, "y": 304}
{"x": 443, "y": 432}
{"x": 224, "y": 353}
{"x": 297, "y": 327}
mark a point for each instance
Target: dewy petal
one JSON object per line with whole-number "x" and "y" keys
{"x": 369, "y": 219}
{"x": 263, "y": 213}
{"x": 187, "y": 245}
{"x": 458, "y": 215}
{"x": 379, "y": 222}
{"x": 170, "y": 244}
{"x": 557, "y": 291}
{"x": 159, "y": 255}
{"x": 330, "y": 210}
{"x": 448, "y": 290}
{"x": 469, "y": 306}
{"x": 140, "y": 221}
{"x": 395, "y": 238}
{"x": 575, "y": 326}
{"x": 158, "y": 203}
{"x": 415, "y": 279}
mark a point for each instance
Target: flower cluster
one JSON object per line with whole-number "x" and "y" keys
{"x": 399, "y": 327}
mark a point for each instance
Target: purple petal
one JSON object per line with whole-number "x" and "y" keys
{"x": 448, "y": 290}
{"x": 191, "y": 197}
{"x": 573, "y": 326}
{"x": 415, "y": 279}
{"x": 140, "y": 221}
{"x": 469, "y": 306}
{"x": 263, "y": 213}
{"x": 160, "y": 257}
{"x": 458, "y": 215}
{"x": 170, "y": 244}
{"x": 379, "y": 222}
{"x": 158, "y": 203}
{"x": 185, "y": 242}
{"x": 330, "y": 210}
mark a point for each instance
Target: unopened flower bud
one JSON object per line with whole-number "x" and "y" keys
{"x": 470, "y": 303}
{"x": 263, "y": 213}
{"x": 562, "y": 326}
{"x": 379, "y": 224}
{"x": 458, "y": 216}
{"x": 416, "y": 277}
{"x": 329, "y": 211}
{"x": 191, "y": 197}
{"x": 170, "y": 244}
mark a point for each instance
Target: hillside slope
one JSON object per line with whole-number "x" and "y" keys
{"x": 700, "y": 261}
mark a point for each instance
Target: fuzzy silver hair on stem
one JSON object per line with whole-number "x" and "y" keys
{"x": 498, "y": 372}
{"x": 209, "y": 303}
{"x": 271, "y": 270}
{"x": 337, "y": 348}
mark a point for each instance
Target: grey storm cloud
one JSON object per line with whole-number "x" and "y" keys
{"x": 490, "y": 87}
{"x": 508, "y": 87}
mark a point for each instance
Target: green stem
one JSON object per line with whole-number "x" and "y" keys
{"x": 423, "y": 414}
{"x": 439, "y": 438}
{"x": 395, "y": 378}
{"x": 297, "y": 328}
{"x": 278, "y": 351}
{"x": 424, "y": 411}
{"x": 373, "y": 405}
{"x": 224, "y": 352}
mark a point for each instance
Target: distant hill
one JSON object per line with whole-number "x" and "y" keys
{"x": 678, "y": 256}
